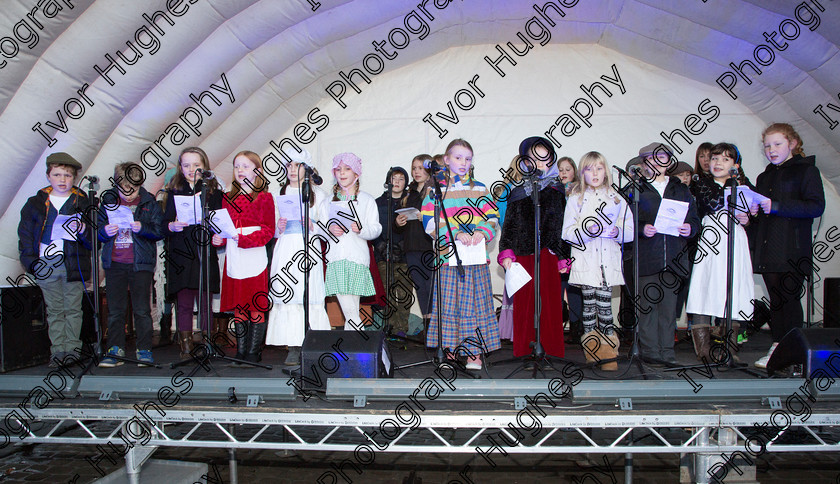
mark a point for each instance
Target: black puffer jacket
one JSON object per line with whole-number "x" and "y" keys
{"x": 796, "y": 189}
{"x": 661, "y": 251}
{"x": 150, "y": 216}
{"x": 33, "y": 216}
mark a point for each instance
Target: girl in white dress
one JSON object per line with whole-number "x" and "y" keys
{"x": 286, "y": 326}
{"x": 707, "y": 290}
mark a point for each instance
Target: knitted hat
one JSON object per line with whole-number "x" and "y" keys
{"x": 657, "y": 147}
{"x": 62, "y": 158}
{"x": 349, "y": 159}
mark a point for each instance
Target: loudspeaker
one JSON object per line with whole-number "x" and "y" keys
{"x": 818, "y": 350}
{"x": 24, "y": 337}
{"x": 24, "y": 329}
{"x": 831, "y": 302}
{"x": 343, "y": 354}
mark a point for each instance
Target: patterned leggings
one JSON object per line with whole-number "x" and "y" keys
{"x": 597, "y": 308}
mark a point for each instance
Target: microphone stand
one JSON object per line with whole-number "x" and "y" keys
{"x": 389, "y": 262}
{"x": 440, "y": 357}
{"x": 732, "y": 200}
{"x": 205, "y": 309}
{"x": 305, "y": 197}
{"x": 389, "y": 265}
{"x": 94, "y": 271}
{"x": 729, "y": 363}
{"x": 633, "y": 355}
{"x": 537, "y": 360}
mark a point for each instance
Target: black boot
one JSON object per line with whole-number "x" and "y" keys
{"x": 242, "y": 334}
{"x": 255, "y": 342}
{"x": 165, "y": 329}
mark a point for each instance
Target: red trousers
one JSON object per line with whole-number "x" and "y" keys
{"x": 551, "y": 317}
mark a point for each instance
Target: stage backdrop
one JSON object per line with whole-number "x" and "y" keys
{"x": 138, "y": 81}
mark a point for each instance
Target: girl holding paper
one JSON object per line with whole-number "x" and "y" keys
{"x": 595, "y": 223}
{"x": 707, "y": 292}
{"x": 468, "y": 323}
{"x": 352, "y": 220}
{"x": 416, "y": 242}
{"x": 782, "y": 234}
{"x": 183, "y": 266}
{"x": 245, "y": 277}
{"x": 286, "y": 319}
{"x": 659, "y": 250}
{"x": 516, "y": 245}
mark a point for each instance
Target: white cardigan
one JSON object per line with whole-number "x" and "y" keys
{"x": 352, "y": 246}
{"x": 593, "y": 252}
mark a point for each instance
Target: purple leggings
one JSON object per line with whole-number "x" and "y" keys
{"x": 184, "y": 310}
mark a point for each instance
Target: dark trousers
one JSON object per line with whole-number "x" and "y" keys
{"x": 575, "y": 299}
{"x": 657, "y": 326}
{"x": 422, "y": 278}
{"x": 119, "y": 279}
{"x": 785, "y": 302}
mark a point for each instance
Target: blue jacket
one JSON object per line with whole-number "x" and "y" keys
{"x": 33, "y": 217}
{"x": 150, "y": 216}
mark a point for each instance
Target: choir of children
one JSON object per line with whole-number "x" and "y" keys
{"x": 585, "y": 224}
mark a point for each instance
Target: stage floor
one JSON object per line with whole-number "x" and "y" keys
{"x": 303, "y": 439}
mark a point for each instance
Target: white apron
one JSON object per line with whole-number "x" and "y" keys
{"x": 707, "y": 291}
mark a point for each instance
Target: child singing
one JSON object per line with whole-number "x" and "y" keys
{"x": 517, "y": 245}
{"x": 707, "y": 292}
{"x": 466, "y": 301}
{"x": 286, "y": 319}
{"x": 352, "y": 225}
{"x": 184, "y": 252}
{"x": 245, "y": 275}
{"x": 782, "y": 231}
{"x": 595, "y": 223}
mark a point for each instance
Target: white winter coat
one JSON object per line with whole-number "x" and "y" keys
{"x": 596, "y": 256}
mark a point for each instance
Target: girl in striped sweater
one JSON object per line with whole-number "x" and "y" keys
{"x": 468, "y": 323}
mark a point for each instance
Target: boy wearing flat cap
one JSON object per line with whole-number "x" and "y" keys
{"x": 60, "y": 266}
{"x": 659, "y": 252}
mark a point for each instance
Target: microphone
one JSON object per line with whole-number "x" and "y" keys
{"x": 621, "y": 171}
{"x": 314, "y": 177}
{"x": 205, "y": 174}
{"x": 91, "y": 178}
{"x": 432, "y": 165}
{"x": 695, "y": 177}
{"x": 635, "y": 170}
{"x": 733, "y": 172}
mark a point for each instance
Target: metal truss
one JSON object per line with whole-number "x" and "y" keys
{"x": 599, "y": 432}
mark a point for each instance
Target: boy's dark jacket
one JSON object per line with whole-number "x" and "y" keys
{"x": 661, "y": 251}
{"x": 33, "y": 217}
{"x": 150, "y": 216}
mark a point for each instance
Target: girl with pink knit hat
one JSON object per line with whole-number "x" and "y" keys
{"x": 352, "y": 220}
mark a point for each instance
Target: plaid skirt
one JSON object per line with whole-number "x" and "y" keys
{"x": 346, "y": 277}
{"x": 467, "y": 310}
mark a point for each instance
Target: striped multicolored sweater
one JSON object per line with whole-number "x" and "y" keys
{"x": 469, "y": 208}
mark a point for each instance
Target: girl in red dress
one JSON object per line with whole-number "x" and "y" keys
{"x": 245, "y": 276}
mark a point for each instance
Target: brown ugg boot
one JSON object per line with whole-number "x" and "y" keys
{"x": 609, "y": 351}
{"x": 591, "y": 344}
